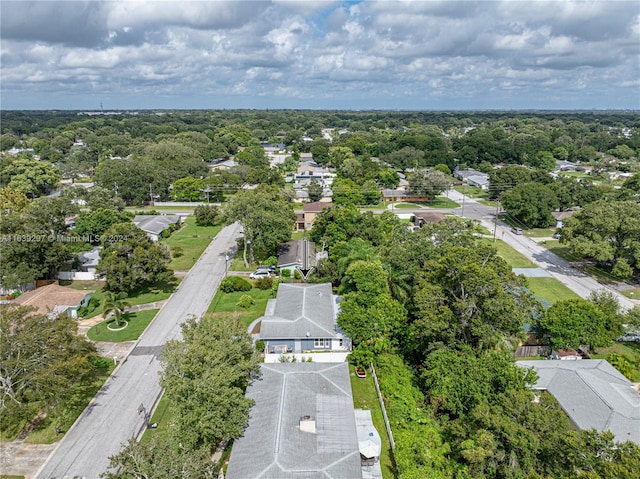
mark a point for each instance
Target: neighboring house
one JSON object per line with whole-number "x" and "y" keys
{"x": 399, "y": 195}
{"x": 291, "y": 255}
{"x": 86, "y": 266}
{"x": 223, "y": 165}
{"x": 303, "y": 318}
{"x": 154, "y": 225}
{"x": 565, "y": 355}
{"x": 593, "y": 394}
{"x": 422, "y": 218}
{"x": 561, "y": 216}
{"x": 310, "y": 211}
{"x": 473, "y": 178}
{"x": 302, "y": 425}
{"x": 54, "y": 300}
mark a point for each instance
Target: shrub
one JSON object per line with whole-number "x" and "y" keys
{"x": 246, "y": 301}
{"x": 285, "y": 273}
{"x": 259, "y": 345}
{"x": 297, "y": 274}
{"x": 264, "y": 283}
{"x": 206, "y": 215}
{"x": 177, "y": 251}
{"x": 234, "y": 283}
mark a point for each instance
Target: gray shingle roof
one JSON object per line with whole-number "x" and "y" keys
{"x": 292, "y": 252}
{"x": 593, "y": 394}
{"x": 155, "y": 224}
{"x": 274, "y": 447}
{"x": 301, "y": 310}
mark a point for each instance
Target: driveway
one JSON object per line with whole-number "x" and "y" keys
{"x": 113, "y": 417}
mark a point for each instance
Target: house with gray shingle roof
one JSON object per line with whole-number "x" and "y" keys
{"x": 593, "y": 394}
{"x": 155, "y": 225}
{"x": 302, "y": 425}
{"x": 303, "y": 318}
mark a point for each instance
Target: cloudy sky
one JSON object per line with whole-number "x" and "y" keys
{"x": 320, "y": 54}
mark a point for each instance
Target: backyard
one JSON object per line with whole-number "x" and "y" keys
{"x": 365, "y": 397}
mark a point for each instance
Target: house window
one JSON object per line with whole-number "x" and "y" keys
{"x": 341, "y": 343}
{"x": 322, "y": 343}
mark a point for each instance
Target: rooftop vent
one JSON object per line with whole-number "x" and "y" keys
{"x": 308, "y": 424}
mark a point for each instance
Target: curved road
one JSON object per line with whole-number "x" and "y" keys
{"x": 112, "y": 418}
{"x": 582, "y": 284}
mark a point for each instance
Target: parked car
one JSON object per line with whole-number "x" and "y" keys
{"x": 270, "y": 269}
{"x": 260, "y": 274}
{"x": 557, "y": 236}
{"x": 516, "y": 231}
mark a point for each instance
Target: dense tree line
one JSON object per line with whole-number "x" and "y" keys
{"x": 440, "y": 314}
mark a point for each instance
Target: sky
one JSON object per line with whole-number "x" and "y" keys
{"x": 307, "y": 54}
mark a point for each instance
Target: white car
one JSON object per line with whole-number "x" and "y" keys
{"x": 260, "y": 274}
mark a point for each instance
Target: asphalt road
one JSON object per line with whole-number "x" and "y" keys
{"x": 112, "y": 418}
{"x": 580, "y": 283}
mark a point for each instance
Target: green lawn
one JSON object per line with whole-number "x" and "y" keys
{"x": 146, "y": 209}
{"x": 440, "y": 202}
{"x": 64, "y": 414}
{"x": 193, "y": 240}
{"x": 550, "y": 289}
{"x": 629, "y": 350}
{"x": 5, "y": 476}
{"x": 226, "y": 303}
{"x": 406, "y": 206}
{"x": 151, "y": 294}
{"x": 472, "y": 191}
{"x": 632, "y": 293}
{"x": 540, "y": 232}
{"x": 138, "y": 321}
{"x": 493, "y": 204}
{"x": 597, "y": 272}
{"x": 510, "y": 255}
{"x": 365, "y": 397}
{"x": 162, "y": 417}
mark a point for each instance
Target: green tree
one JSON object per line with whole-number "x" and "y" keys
{"x": 206, "y": 215}
{"x": 31, "y": 177}
{"x": 531, "y": 204}
{"x": 187, "y": 189}
{"x": 267, "y": 218}
{"x": 605, "y": 231}
{"x": 159, "y": 458}
{"x": 315, "y": 190}
{"x": 40, "y": 360}
{"x": 347, "y": 192}
{"x": 428, "y": 182}
{"x": 388, "y": 178}
{"x": 95, "y": 223}
{"x": 12, "y": 201}
{"x": 115, "y": 305}
{"x": 130, "y": 260}
{"x": 205, "y": 376}
{"x": 575, "y": 322}
{"x": 405, "y": 158}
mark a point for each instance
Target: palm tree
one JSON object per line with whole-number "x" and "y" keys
{"x": 117, "y": 305}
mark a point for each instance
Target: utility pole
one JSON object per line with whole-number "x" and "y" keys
{"x": 463, "y": 196}
{"x": 151, "y": 195}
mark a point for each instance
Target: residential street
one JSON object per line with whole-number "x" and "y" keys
{"x": 558, "y": 268}
{"x": 116, "y": 414}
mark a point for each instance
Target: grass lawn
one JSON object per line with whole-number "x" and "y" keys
{"x": 540, "y": 232}
{"x": 440, "y": 202}
{"x": 632, "y": 293}
{"x": 151, "y": 294}
{"x": 365, "y": 397}
{"x": 64, "y": 414}
{"x": 510, "y": 255}
{"x": 407, "y": 206}
{"x": 226, "y": 303}
{"x": 472, "y": 191}
{"x": 138, "y": 321}
{"x": 380, "y": 206}
{"x": 162, "y": 417}
{"x": 237, "y": 263}
{"x": 630, "y": 350}
{"x": 193, "y": 240}
{"x": 5, "y": 476}
{"x": 550, "y": 289}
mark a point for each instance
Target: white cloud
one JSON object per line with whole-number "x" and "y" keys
{"x": 321, "y": 50}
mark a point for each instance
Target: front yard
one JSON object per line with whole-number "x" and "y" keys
{"x": 510, "y": 255}
{"x": 188, "y": 243}
{"x": 550, "y": 289}
{"x": 138, "y": 322}
{"x": 226, "y": 304}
